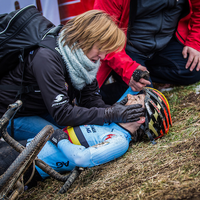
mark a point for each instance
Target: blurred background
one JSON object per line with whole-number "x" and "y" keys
{"x": 57, "y": 11}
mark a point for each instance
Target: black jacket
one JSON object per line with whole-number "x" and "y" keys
{"x": 152, "y": 24}
{"x": 56, "y": 93}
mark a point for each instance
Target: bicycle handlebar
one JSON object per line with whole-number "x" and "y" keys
{"x": 12, "y": 108}
{"x": 69, "y": 179}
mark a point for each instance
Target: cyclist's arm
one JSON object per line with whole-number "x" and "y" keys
{"x": 112, "y": 147}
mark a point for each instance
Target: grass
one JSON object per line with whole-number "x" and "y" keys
{"x": 168, "y": 170}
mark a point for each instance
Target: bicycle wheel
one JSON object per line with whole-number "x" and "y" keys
{"x": 23, "y": 161}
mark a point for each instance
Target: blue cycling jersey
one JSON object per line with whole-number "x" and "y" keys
{"x": 88, "y": 146}
{"x": 92, "y": 145}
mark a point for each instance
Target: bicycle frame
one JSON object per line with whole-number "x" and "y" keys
{"x": 11, "y": 180}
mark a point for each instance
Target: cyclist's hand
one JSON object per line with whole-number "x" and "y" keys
{"x": 57, "y": 136}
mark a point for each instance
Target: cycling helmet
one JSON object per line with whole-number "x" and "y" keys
{"x": 158, "y": 117}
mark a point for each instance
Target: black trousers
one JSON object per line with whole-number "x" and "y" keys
{"x": 8, "y": 155}
{"x": 168, "y": 65}
{"x": 112, "y": 92}
{"x": 165, "y": 66}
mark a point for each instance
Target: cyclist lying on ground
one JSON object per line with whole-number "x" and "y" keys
{"x": 91, "y": 145}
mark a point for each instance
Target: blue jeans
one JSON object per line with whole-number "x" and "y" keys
{"x": 168, "y": 65}
{"x": 29, "y": 126}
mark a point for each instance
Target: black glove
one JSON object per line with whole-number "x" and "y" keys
{"x": 138, "y": 74}
{"x": 57, "y": 136}
{"x": 119, "y": 113}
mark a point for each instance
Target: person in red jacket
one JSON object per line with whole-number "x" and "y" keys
{"x": 163, "y": 37}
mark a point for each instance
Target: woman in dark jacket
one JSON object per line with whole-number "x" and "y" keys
{"x": 73, "y": 98}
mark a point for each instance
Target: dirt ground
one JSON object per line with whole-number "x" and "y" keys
{"x": 171, "y": 172}
{"x": 168, "y": 170}
{"x": 192, "y": 99}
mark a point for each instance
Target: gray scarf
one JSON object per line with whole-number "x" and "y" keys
{"x": 81, "y": 70}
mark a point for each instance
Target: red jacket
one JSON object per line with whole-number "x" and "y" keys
{"x": 188, "y": 33}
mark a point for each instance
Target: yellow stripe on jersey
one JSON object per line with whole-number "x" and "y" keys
{"x": 73, "y": 136}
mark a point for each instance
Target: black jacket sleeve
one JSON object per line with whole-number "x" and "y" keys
{"x": 49, "y": 74}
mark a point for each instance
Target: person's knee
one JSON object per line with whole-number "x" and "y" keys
{"x": 175, "y": 76}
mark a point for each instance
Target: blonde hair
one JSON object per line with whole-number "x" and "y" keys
{"x": 90, "y": 27}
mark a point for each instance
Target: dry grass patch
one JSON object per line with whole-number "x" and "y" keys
{"x": 168, "y": 170}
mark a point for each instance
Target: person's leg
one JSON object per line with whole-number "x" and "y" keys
{"x": 137, "y": 57}
{"x": 168, "y": 66}
{"x": 141, "y": 59}
{"x": 28, "y": 127}
{"x": 111, "y": 92}
{"x": 7, "y": 156}
{"x": 50, "y": 119}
